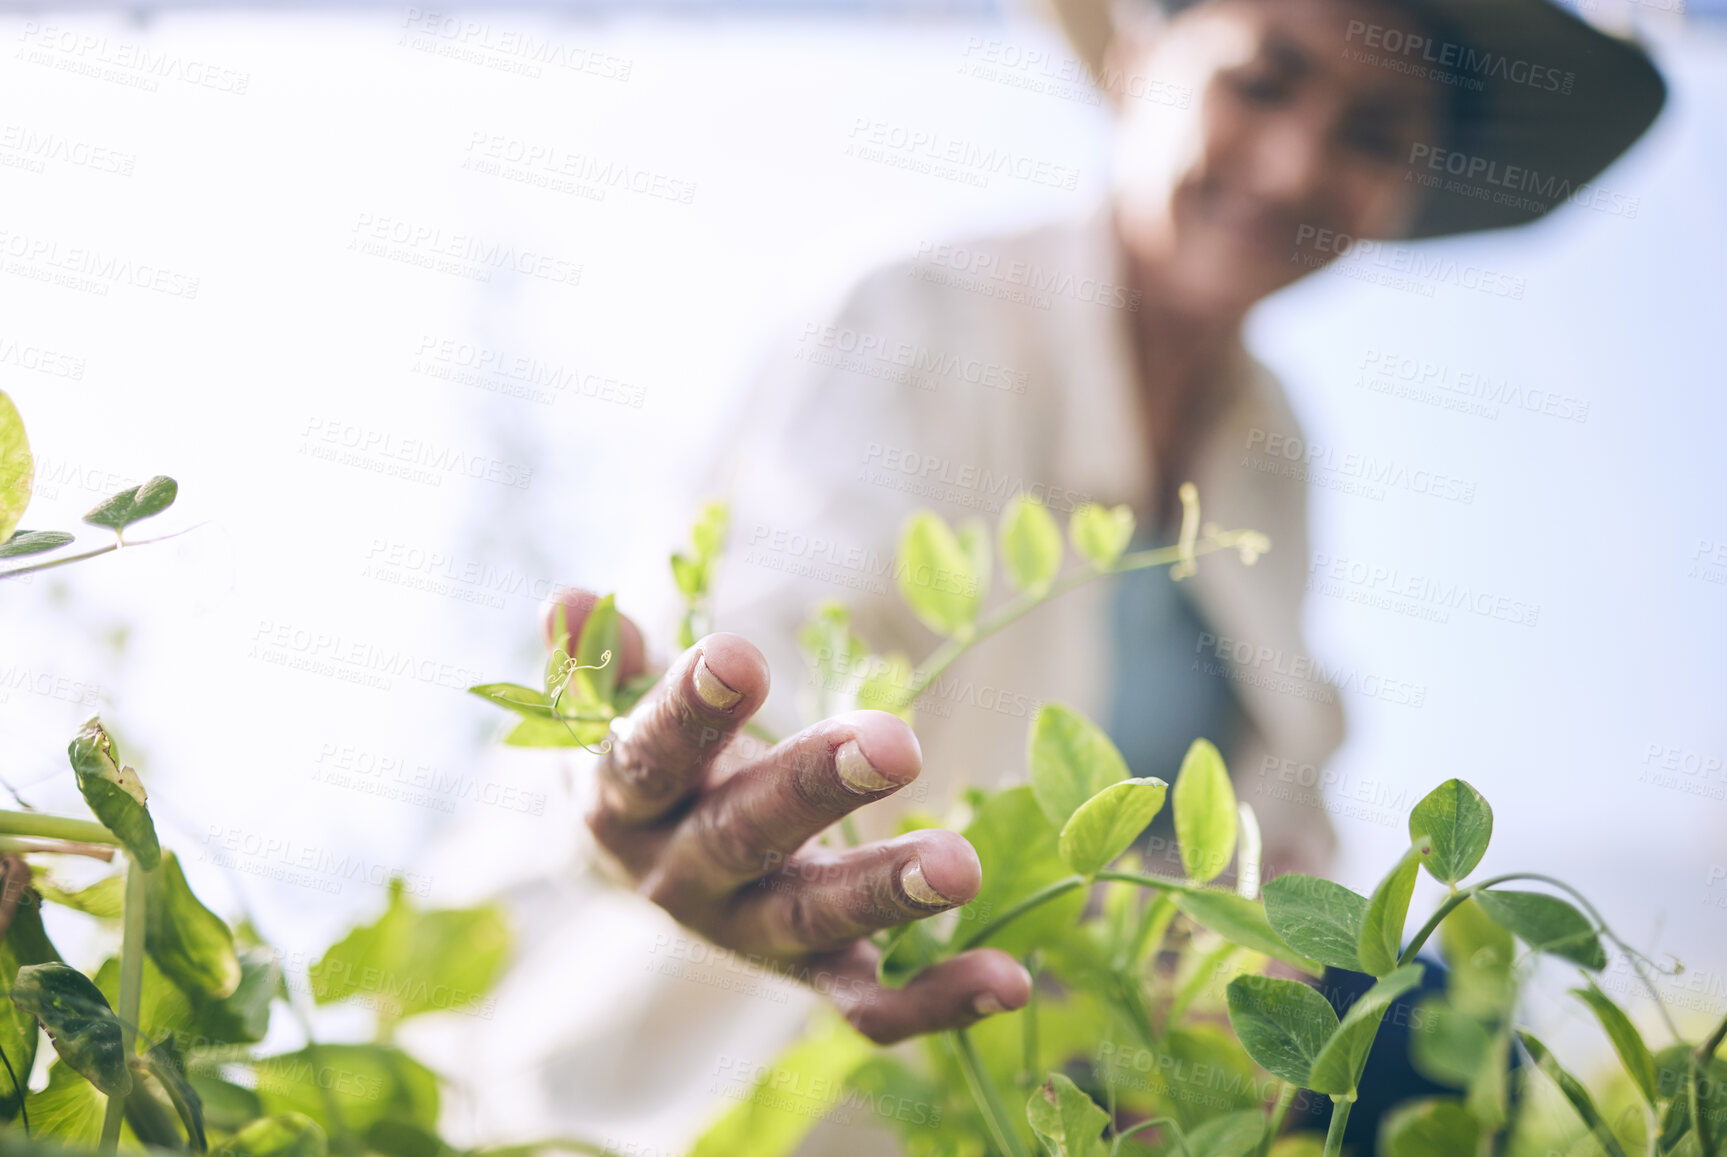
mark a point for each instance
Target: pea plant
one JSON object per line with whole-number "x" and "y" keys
{"x": 159, "y": 1044}
{"x": 1166, "y": 1015}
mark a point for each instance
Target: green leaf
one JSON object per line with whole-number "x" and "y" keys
{"x": 1242, "y": 922}
{"x": 163, "y": 1062}
{"x": 1479, "y": 954}
{"x": 1545, "y": 923}
{"x": 1107, "y": 823}
{"x": 1206, "y": 818}
{"x": 227, "y": 1106}
{"x": 1457, "y": 819}
{"x": 17, "y": 468}
{"x": 121, "y": 510}
{"x": 1574, "y": 1092}
{"x": 1100, "y": 535}
{"x": 782, "y": 1101}
{"x": 1071, "y": 760}
{"x": 413, "y": 961}
{"x": 243, "y": 1016}
{"x": 162, "y": 1008}
{"x": 1030, "y": 544}
{"x": 284, "y": 1135}
{"x": 974, "y": 541}
{"x": 26, "y": 942}
{"x": 1337, "y": 1070}
{"x": 1017, "y": 848}
{"x": 515, "y": 697}
{"x": 1627, "y": 1041}
{"x": 1387, "y": 910}
{"x": 1432, "y": 1129}
{"x": 708, "y": 533}
{"x": 1446, "y": 1046}
{"x": 114, "y": 792}
{"x": 555, "y": 733}
{"x": 598, "y": 655}
{"x": 33, "y": 542}
{"x": 936, "y": 576}
{"x": 1068, "y": 1121}
{"x": 190, "y": 944}
{"x": 84, "y": 1029}
{"x": 1283, "y": 1024}
{"x": 103, "y": 899}
{"x": 1317, "y": 917}
{"x": 367, "y": 1083}
{"x": 1232, "y": 1135}
{"x": 69, "y": 1110}
{"x": 689, "y": 575}
{"x": 887, "y": 685}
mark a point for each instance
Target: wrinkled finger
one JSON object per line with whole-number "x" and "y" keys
{"x": 663, "y": 747}
{"x": 954, "y": 994}
{"x": 632, "y": 655}
{"x": 748, "y": 824}
{"x": 820, "y": 900}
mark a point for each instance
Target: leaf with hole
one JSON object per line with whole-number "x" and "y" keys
{"x": 1317, "y": 917}
{"x": 113, "y": 792}
{"x": 1067, "y": 1120}
{"x": 1107, "y": 823}
{"x": 1456, "y": 818}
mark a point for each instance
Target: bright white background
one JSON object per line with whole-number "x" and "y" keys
{"x": 194, "y": 650}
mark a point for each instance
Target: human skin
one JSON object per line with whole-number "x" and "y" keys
{"x": 718, "y": 830}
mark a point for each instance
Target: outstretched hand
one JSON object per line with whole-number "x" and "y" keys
{"x": 719, "y": 830}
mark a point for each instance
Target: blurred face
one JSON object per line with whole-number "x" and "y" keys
{"x": 1284, "y": 136}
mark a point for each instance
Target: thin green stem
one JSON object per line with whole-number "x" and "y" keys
{"x": 1020, "y": 605}
{"x": 984, "y": 1092}
{"x": 131, "y": 991}
{"x": 1274, "y": 1125}
{"x": 1433, "y": 922}
{"x": 1175, "y": 1130}
{"x": 1042, "y": 896}
{"x": 1160, "y": 883}
{"x": 1712, "y": 1044}
{"x": 72, "y": 558}
{"x": 16, "y": 823}
{"x": 1340, "y": 1107}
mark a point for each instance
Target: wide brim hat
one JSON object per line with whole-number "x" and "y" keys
{"x": 1542, "y": 101}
